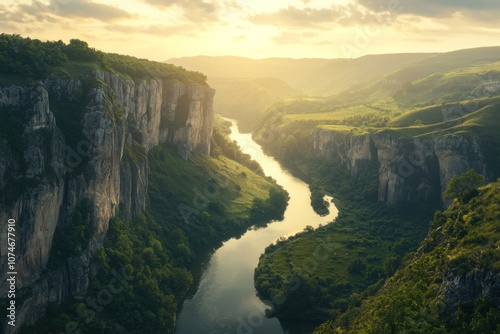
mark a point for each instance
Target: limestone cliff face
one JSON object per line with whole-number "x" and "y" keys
{"x": 466, "y": 288}
{"x": 410, "y": 169}
{"x": 101, "y": 162}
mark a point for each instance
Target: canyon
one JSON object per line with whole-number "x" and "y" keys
{"x": 107, "y": 168}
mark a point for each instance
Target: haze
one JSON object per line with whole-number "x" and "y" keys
{"x": 163, "y": 29}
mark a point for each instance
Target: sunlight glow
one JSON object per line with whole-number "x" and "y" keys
{"x": 256, "y": 29}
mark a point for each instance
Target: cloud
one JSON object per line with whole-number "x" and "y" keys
{"x": 70, "y": 9}
{"x": 194, "y": 10}
{"x": 89, "y": 9}
{"x": 345, "y": 15}
{"x": 435, "y": 8}
{"x": 6, "y": 23}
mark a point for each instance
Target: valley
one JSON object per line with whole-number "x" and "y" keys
{"x": 321, "y": 206}
{"x": 386, "y": 149}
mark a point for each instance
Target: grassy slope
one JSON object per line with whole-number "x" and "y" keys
{"x": 244, "y": 99}
{"x": 365, "y": 244}
{"x": 462, "y": 240}
{"x": 422, "y": 90}
{"x": 340, "y": 74}
{"x": 471, "y": 113}
{"x": 219, "y": 180}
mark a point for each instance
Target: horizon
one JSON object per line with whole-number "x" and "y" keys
{"x": 297, "y": 29}
{"x": 304, "y": 58}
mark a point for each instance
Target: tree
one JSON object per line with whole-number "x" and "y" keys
{"x": 79, "y": 51}
{"x": 356, "y": 267}
{"x": 464, "y": 187}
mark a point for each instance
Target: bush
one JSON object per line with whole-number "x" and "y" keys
{"x": 464, "y": 187}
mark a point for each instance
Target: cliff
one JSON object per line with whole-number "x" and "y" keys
{"x": 450, "y": 284}
{"x": 75, "y": 157}
{"x": 411, "y": 169}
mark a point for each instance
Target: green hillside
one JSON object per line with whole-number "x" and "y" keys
{"x": 244, "y": 99}
{"x": 341, "y": 74}
{"x": 369, "y": 240}
{"x": 25, "y": 60}
{"x": 313, "y": 76}
{"x": 459, "y": 98}
{"x": 446, "y": 77}
{"x": 462, "y": 246}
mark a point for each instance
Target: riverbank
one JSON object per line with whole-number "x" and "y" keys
{"x": 226, "y": 300}
{"x": 194, "y": 206}
{"x": 369, "y": 242}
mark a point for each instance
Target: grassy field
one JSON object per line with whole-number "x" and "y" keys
{"x": 325, "y": 117}
{"x": 205, "y": 182}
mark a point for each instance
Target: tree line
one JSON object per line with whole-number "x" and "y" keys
{"x": 32, "y": 58}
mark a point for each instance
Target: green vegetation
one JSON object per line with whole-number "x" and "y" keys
{"x": 31, "y": 61}
{"x": 210, "y": 198}
{"x": 194, "y": 206}
{"x": 141, "y": 278}
{"x": 464, "y": 187}
{"x": 462, "y": 243}
{"x": 370, "y": 241}
{"x": 244, "y": 99}
{"x": 318, "y": 274}
{"x": 222, "y": 145}
{"x": 69, "y": 240}
{"x": 24, "y": 59}
{"x": 135, "y": 152}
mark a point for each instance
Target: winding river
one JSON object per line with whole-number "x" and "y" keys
{"x": 225, "y": 300}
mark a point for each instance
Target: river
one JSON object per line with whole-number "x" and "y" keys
{"x": 225, "y": 301}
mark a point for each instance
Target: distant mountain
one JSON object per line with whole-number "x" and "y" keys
{"x": 396, "y": 81}
{"x": 340, "y": 74}
{"x": 451, "y": 76}
{"x": 245, "y": 87}
{"x": 290, "y": 70}
{"x": 314, "y": 76}
{"x": 244, "y": 99}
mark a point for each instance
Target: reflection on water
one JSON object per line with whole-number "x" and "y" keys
{"x": 225, "y": 301}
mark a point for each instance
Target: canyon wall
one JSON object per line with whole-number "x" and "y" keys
{"x": 81, "y": 147}
{"x": 411, "y": 169}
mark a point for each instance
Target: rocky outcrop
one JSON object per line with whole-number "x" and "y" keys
{"x": 466, "y": 288}
{"x": 84, "y": 141}
{"x": 410, "y": 169}
{"x": 164, "y": 111}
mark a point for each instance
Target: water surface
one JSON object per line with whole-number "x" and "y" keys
{"x": 225, "y": 301}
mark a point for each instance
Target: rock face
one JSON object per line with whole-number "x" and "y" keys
{"x": 410, "y": 169}
{"x": 466, "y": 288}
{"x": 84, "y": 141}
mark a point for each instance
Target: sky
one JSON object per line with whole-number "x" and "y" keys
{"x": 163, "y": 29}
